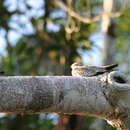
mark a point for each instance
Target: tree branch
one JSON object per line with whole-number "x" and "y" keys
{"x": 76, "y": 15}
{"x": 106, "y": 96}
{"x": 88, "y": 20}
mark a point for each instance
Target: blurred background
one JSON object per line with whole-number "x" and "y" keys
{"x": 44, "y": 37}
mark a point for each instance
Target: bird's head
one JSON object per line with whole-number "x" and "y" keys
{"x": 74, "y": 65}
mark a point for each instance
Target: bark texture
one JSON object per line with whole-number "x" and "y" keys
{"x": 106, "y": 96}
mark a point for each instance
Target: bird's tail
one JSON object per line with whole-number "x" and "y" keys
{"x": 109, "y": 67}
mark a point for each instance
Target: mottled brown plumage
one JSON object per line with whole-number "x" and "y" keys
{"x": 88, "y": 71}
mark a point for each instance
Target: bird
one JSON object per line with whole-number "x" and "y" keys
{"x": 89, "y": 71}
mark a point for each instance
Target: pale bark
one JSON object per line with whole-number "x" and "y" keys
{"x": 106, "y": 96}
{"x": 107, "y": 10}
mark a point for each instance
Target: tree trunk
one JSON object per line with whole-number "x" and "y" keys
{"x": 109, "y": 45}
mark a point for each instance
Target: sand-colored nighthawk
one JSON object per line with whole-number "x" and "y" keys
{"x": 89, "y": 71}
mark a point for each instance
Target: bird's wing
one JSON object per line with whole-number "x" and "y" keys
{"x": 109, "y": 67}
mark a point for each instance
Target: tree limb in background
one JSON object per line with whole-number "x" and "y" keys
{"x": 75, "y": 14}
{"x": 87, "y": 20}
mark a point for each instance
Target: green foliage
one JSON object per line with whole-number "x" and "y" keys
{"x": 28, "y": 122}
{"x": 123, "y": 44}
